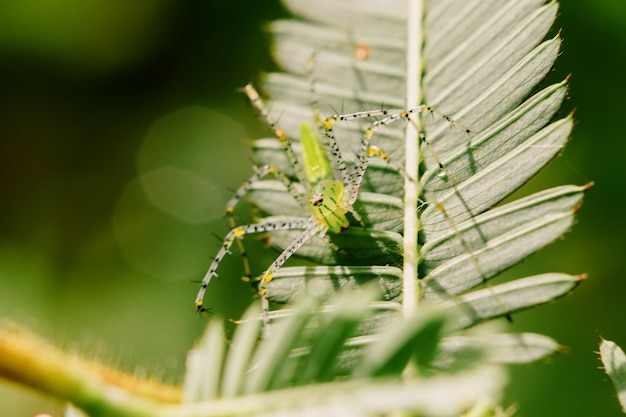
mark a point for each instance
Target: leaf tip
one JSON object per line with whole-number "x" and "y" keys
{"x": 562, "y": 349}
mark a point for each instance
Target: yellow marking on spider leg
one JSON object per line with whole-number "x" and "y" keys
{"x": 376, "y": 151}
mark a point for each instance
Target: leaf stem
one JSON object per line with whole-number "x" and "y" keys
{"x": 412, "y": 188}
{"x": 25, "y": 359}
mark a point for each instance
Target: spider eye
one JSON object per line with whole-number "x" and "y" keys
{"x": 317, "y": 199}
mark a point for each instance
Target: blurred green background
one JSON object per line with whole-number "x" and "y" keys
{"x": 123, "y": 135}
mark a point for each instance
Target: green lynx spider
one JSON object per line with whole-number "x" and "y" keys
{"x": 328, "y": 199}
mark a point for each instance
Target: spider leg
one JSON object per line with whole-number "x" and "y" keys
{"x": 311, "y": 231}
{"x": 260, "y": 172}
{"x": 286, "y": 142}
{"x": 239, "y": 232}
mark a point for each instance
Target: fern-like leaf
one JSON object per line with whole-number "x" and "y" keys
{"x": 481, "y": 63}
